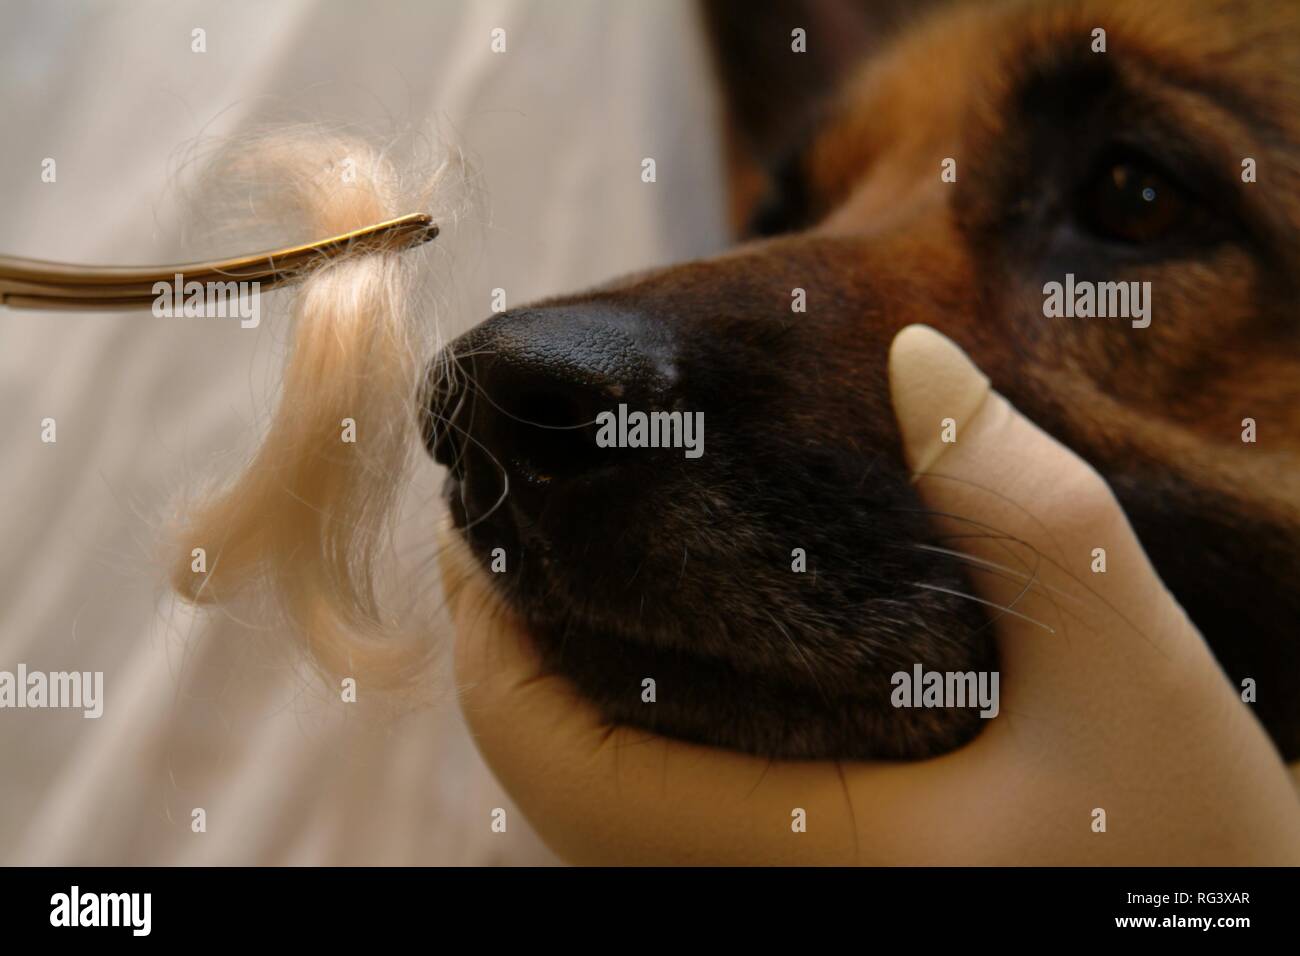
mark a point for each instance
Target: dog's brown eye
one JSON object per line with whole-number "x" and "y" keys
{"x": 1128, "y": 201}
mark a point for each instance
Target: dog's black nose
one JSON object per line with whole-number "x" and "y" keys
{"x": 521, "y": 393}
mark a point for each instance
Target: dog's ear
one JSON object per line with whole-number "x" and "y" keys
{"x": 775, "y": 80}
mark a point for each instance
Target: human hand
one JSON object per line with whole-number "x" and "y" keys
{"x": 1110, "y": 700}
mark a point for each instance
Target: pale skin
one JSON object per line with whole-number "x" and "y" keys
{"x": 1110, "y": 699}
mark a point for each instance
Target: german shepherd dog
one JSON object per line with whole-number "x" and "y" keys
{"x": 947, "y": 178}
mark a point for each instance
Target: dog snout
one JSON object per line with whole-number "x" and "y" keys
{"x": 520, "y": 394}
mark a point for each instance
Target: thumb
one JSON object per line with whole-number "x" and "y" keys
{"x": 1047, "y": 547}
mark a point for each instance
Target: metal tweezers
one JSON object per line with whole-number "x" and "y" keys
{"x": 37, "y": 284}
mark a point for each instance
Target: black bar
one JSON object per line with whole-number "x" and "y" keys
{"x": 439, "y": 905}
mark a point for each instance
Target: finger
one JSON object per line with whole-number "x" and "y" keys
{"x": 1053, "y": 556}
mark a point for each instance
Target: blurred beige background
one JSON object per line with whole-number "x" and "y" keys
{"x": 203, "y": 713}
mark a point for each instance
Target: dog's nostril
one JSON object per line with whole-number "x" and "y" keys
{"x": 445, "y": 448}
{"x": 537, "y": 423}
{"x": 443, "y": 435}
{"x": 550, "y": 432}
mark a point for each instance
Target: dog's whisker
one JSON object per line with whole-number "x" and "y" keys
{"x": 1041, "y": 588}
{"x": 479, "y": 389}
{"x": 997, "y": 534}
{"x": 993, "y": 566}
{"x": 979, "y": 600}
{"x": 505, "y": 485}
{"x": 800, "y": 654}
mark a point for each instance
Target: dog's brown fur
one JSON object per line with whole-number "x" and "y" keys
{"x": 1013, "y": 92}
{"x": 1159, "y": 411}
